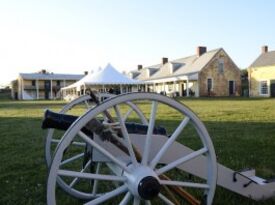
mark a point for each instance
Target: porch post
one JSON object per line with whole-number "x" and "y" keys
{"x": 120, "y": 89}
{"x": 51, "y": 89}
{"x": 37, "y": 89}
{"x": 23, "y": 98}
{"x": 187, "y": 87}
{"x": 180, "y": 88}
{"x": 63, "y": 93}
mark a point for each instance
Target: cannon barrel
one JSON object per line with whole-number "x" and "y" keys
{"x": 60, "y": 121}
{"x": 57, "y": 120}
{"x": 64, "y": 121}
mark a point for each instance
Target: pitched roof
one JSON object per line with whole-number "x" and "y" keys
{"x": 49, "y": 76}
{"x": 265, "y": 59}
{"x": 183, "y": 66}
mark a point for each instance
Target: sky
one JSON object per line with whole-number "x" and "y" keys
{"x": 69, "y": 36}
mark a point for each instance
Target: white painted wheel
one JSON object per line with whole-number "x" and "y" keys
{"x": 52, "y": 140}
{"x": 133, "y": 176}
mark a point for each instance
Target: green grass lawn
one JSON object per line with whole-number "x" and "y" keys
{"x": 242, "y": 130}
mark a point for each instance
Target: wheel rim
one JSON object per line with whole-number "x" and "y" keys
{"x": 207, "y": 149}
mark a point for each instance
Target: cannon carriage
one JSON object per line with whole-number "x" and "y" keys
{"x": 103, "y": 157}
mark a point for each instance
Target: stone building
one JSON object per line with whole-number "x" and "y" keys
{"x": 261, "y": 75}
{"x": 207, "y": 73}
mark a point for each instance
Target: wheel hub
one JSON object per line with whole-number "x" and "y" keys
{"x": 143, "y": 182}
{"x": 149, "y": 187}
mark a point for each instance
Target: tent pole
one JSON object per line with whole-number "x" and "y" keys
{"x": 120, "y": 88}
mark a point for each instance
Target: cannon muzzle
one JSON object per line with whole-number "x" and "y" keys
{"x": 60, "y": 121}
{"x": 57, "y": 120}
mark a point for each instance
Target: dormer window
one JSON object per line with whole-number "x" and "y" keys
{"x": 171, "y": 68}
{"x": 175, "y": 66}
{"x": 131, "y": 75}
{"x": 148, "y": 72}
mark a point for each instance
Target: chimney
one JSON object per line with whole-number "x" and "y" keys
{"x": 264, "y": 49}
{"x": 201, "y": 50}
{"x": 164, "y": 60}
{"x": 43, "y": 71}
{"x": 85, "y": 72}
{"x": 139, "y": 67}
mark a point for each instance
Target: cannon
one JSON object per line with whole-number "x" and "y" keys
{"x": 143, "y": 166}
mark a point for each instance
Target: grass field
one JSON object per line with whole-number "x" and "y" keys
{"x": 242, "y": 130}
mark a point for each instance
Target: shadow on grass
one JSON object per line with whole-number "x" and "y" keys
{"x": 23, "y": 172}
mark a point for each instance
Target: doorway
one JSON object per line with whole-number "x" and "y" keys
{"x": 272, "y": 88}
{"x": 231, "y": 87}
{"x": 47, "y": 87}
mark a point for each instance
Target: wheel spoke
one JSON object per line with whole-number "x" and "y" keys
{"x": 165, "y": 199}
{"x": 150, "y": 130}
{"x": 82, "y": 144}
{"x": 96, "y": 181}
{"x": 108, "y": 195}
{"x": 136, "y": 201}
{"x": 126, "y": 135}
{"x": 87, "y": 104}
{"x": 103, "y": 151}
{"x": 55, "y": 141}
{"x": 184, "y": 184}
{"x": 127, "y": 114}
{"x": 68, "y": 173}
{"x": 76, "y": 179}
{"x": 126, "y": 199}
{"x": 169, "y": 142}
{"x": 181, "y": 160}
{"x": 147, "y": 202}
{"x": 72, "y": 159}
{"x": 138, "y": 112}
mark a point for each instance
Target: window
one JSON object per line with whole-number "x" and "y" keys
{"x": 209, "y": 84}
{"x": 58, "y": 83}
{"x": 263, "y": 87}
{"x": 33, "y": 82}
{"x": 220, "y": 66}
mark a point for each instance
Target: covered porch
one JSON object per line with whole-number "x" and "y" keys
{"x": 186, "y": 85}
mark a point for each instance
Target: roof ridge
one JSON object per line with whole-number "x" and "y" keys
{"x": 191, "y": 56}
{"x": 264, "y": 59}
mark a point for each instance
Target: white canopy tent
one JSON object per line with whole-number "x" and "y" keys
{"x": 107, "y": 79}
